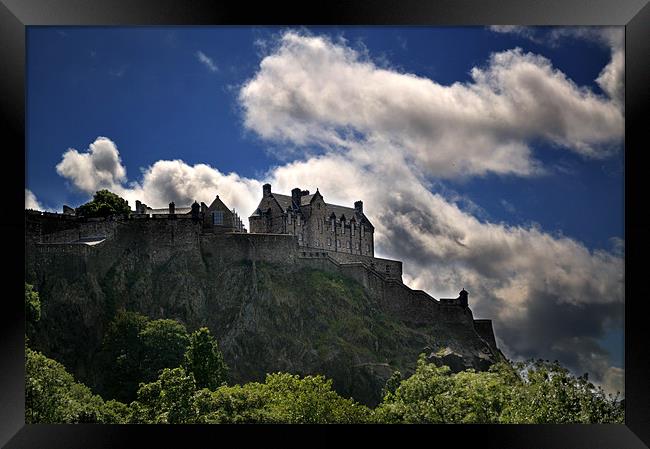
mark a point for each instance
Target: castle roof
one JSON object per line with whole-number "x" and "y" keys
{"x": 285, "y": 201}
{"x": 349, "y": 212}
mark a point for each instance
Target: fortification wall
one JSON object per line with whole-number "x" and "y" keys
{"x": 153, "y": 240}
{"x": 391, "y": 269}
{"x": 484, "y": 330}
{"x": 276, "y": 248}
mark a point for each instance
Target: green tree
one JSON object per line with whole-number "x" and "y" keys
{"x": 283, "y": 398}
{"x": 549, "y": 393}
{"x": 123, "y": 350}
{"x": 164, "y": 345}
{"x": 103, "y": 204}
{"x": 435, "y": 395}
{"x": 532, "y": 392}
{"x": 168, "y": 400}
{"x": 52, "y": 395}
{"x": 205, "y": 361}
{"x": 32, "y": 308}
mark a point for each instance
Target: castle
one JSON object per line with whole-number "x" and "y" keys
{"x": 296, "y": 231}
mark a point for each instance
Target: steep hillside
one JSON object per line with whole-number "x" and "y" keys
{"x": 266, "y": 316}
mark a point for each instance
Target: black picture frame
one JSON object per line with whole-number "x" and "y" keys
{"x": 16, "y": 15}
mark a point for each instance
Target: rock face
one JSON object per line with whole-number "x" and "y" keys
{"x": 269, "y": 309}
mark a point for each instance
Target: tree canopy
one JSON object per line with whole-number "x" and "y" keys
{"x": 103, "y": 204}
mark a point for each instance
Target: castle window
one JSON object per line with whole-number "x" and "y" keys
{"x": 318, "y": 206}
{"x": 329, "y": 242}
{"x": 289, "y": 218}
{"x": 338, "y": 243}
{"x": 300, "y": 236}
{"x": 362, "y": 228}
{"x": 316, "y": 243}
{"x": 358, "y": 246}
{"x": 217, "y": 218}
{"x": 353, "y": 226}
{"x": 368, "y": 247}
{"x": 348, "y": 245}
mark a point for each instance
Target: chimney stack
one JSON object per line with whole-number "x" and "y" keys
{"x": 266, "y": 190}
{"x": 172, "y": 208}
{"x": 462, "y": 296}
{"x": 295, "y": 196}
{"x": 358, "y": 207}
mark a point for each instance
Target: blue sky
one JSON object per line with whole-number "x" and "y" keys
{"x": 202, "y": 95}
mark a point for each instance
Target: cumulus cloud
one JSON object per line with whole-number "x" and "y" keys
{"x": 177, "y": 181}
{"x": 206, "y": 61}
{"x": 314, "y": 91}
{"x": 612, "y": 77}
{"x": 100, "y": 167}
{"x": 31, "y": 202}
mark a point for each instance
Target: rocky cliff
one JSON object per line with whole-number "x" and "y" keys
{"x": 269, "y": 309}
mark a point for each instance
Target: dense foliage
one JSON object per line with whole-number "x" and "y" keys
{"x": 137, "y": 349}
{"x": 533, "y": 392}
{"x": 161, "y": 374}
{"x": 32, "y": 307}
{"x": 103, "y": 204}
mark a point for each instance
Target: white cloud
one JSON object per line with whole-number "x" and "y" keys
{"x": 612, "y": 78}
{"x": 206, "y": 61}
{"x": 313, "y": 91}
{"x": 31, "y": 202}
{"x": 98, "y": 168}
{"x": 177, "y": 181}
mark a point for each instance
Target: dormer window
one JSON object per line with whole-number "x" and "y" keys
{"x": 289, "y": 218}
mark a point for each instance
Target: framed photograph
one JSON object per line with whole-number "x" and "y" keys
{"x": 369, "y": 215}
